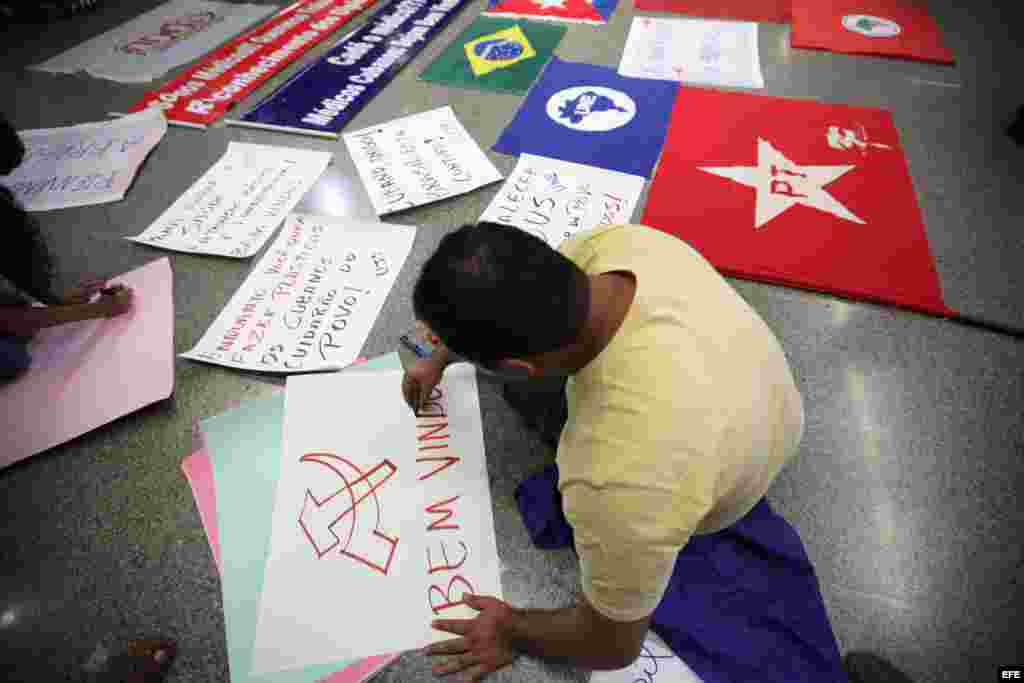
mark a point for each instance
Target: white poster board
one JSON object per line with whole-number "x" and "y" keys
{"x": 417, "y": 160}
{"x": 91, "y": 163}
{"x": 656, "y": 664}
{"x": 311, "y": 300}
{"x": 238, "y": 203}
{"x": 382, "y": 520}
{"x": 153, "y": 43}
{"x": 699, "y": 51}
{"x": 556, "y": 199}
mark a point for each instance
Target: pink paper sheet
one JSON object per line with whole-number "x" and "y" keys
{"x": 199, "y": 472}
{"x": 126, "y": 363}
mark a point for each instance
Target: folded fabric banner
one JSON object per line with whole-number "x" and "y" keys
{"x": 128, "y": 360}
{"x": 699, "y": 51}
{"x": 797, "y": 193}
{"x": 743, "y": 604}
{"x": 91, "y": 163}
{"x": 591, "y": 115}
{"x": 891, "y": 28}
{"x": 502, "y": 55}
{"x": 234, "y": 208}
{"x": 322, "y": 98}
{"x": 571, "y": 11}
{"x": 418, "y": 159}
{"x": 776, "y": 11}
{"x": 150, "y": 45}
{"x": 206, "y": 90}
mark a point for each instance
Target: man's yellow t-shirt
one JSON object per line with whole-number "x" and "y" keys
{"x": 677, "y": 427}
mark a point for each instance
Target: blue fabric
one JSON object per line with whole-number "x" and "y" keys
{"x": 743, "y": 604}
{"x": 591, "y": 115}
{"x": 14, "y": 357}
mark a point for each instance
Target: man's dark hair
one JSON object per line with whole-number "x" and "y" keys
{"x": 25, "y": 260}
{"x": 492, "y": 291}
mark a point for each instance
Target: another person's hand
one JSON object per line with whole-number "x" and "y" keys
{"x": 115, "y": 301}
{"x": 83, "y": 293}
{"x": 419, "y": 381}
{"x": 483, "y": 647}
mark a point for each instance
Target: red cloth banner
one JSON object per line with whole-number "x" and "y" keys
{"x": 891, "y": 28}
{"x": 776, "y": 11}
{"x": 799, "y": 193}
{"x": 205, "y": 91}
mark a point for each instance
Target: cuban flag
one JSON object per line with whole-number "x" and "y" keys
{"x": 573, "y": 11}
{"x": 799, "y": 193}
{"x": 591, "y": 115}
{"x": 891, "y": 28}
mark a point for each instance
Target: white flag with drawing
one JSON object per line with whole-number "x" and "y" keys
{"x": 166, "y": 37}
{"x": 382, "y": 519}
{"x": 699, "y": 51}
{"x": 238, "y": 203}
{"x": 417, "y": 160}
{"x": 556, "y": 199}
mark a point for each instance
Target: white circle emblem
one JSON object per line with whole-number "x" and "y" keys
{"x": 591, "y": 108}
{"x": 872, "y": 27}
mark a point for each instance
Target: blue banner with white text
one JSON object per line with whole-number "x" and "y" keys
{"x": 322, "y": 98}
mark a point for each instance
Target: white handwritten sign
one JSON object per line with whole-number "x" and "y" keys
{"x": 418, "y": 159}
{"x": 238, "y": 203}
{"x": 656, "y": 664}
{"x": 382, "y": 520}
{"x": 92, "y": 163}
{"x": 148, "y": 46}
{"x": 311, "y": 300}
{"x": 701, "y": 51}
{"x": 556, "y": 199}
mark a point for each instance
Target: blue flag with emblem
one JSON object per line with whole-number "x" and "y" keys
{"x": 590, "y": 115}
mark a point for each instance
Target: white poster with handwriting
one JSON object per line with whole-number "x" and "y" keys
{"x": 699, "y": 51}
{"x": 91, "y": 163}
{"x": 382, "y": 519}
{"x": 148, "y": 46}
{"x": 556, "y": 199}
{"x": 417, "y": 160}
{"x": 311, "y": 300}
{"x": 656, "y": 664}
{"x": 238, "y": 203}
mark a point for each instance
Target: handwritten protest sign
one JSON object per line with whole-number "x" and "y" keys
{"x": 92, "y": 163}
{"x": 418, "y": 159}
{"x": 382, "y": 520}
{"x": 556, "y": 199}
{"x": 656, "y": 664}
{"x": 147, "y": 47}
{"x": 700, "y": 51}
{"x": 323, "y": 97}
{"x": 310, "y": 302}
{"x": 206, "y": 90}
{"x": 238, "y": 203}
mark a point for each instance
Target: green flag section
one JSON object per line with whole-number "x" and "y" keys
{"x": 502, "y": 55}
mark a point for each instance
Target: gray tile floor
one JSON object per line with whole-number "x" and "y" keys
{"x": 906, "y": 489}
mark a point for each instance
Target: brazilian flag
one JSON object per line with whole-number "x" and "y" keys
{"x": 503, "y": 55}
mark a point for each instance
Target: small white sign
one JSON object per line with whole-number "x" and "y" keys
{"x": 382, "y": 519}
{"x": 311, "y": 300}
{"x": 417, "y": 160}
{"x": 699, "y": 51}
{"x": 92, "y": 163}
{"x": 238, "y": 203}
{"x": 153, "y": 43}
{"x": 656, "y": 664}
{"x": 556, "y": 199}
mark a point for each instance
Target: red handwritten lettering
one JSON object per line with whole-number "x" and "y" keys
{"x": 447, "y": 595}
{"x": 439, "y": 508}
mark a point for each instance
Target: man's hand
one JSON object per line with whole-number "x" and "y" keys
{"x": 419, "y": 380}
{"x": 83, "y": 293}
{"x": 115, "y": 301}
{"x": 484, "y": 646}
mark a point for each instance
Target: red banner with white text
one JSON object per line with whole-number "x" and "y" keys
{"x": 206, "y": 90}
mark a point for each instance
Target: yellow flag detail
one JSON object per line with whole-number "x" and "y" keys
{"x": 498, "y": 50}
